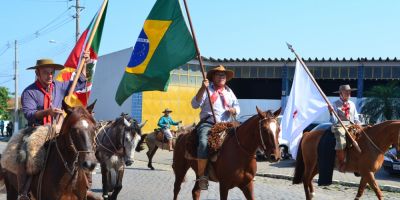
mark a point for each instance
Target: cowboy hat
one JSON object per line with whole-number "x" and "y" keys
{"x": 345, "y": 88}
{"x": 167, "y": 110}
{"x": 220, "y": 68}
{"x": 46, "y": 63}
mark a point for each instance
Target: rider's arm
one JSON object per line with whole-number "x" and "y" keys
{"x": 235, "y": 104}
{"x": 332, "y": 117}
{"x": 161, "y": 122}
{"x": 200, "y": 97}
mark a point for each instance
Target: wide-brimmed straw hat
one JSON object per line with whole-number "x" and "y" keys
{"x": 46, "y": 63}
{"x": 167, "y": 110}
{"x": 220, "y": 68}
{"x": 345, "y": 88}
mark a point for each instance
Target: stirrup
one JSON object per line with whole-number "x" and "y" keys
{"x": 203, "y": 183}
{"x": 23, "y": 197}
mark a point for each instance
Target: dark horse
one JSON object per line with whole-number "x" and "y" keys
{"x": 70, "y": 156}
{"x": 373, "y": 141}
{"x": 153, "y": 143}
{"x": 115, "y": 142}
{"x": 236, "y": 165}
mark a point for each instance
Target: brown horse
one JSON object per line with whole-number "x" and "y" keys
{"x": 374, "y": 141}
{"x": 153, "y": 144}
{"x": 116, "y": 141}
{"x": 70, "y": 156}
{"x": 236, "y": 165}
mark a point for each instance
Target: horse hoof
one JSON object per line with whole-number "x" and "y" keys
{"x": 312, "y": 194}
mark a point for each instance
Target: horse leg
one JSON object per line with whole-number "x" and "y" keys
{"x": 372, "y": 182}
{"x": 311, "y": 187}
{"x": 118, "y": 186}
{"x": 196, "y": 190}
{"x": 361, "y": 188}
{"x": 248, "y": 190}
{"x": 104, "y": 180}
{"x": 180, "y": 173}
{"x": 150, "y": 155}
{"x": 223, "y": 191}
{"x": 12, "y": 193}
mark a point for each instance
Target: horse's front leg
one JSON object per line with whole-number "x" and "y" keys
{"x": 248, "y": 190}
{"x": 150, "y": 155}
{"x": 104, "y": 180}
{"x": 118, "y": 186}
{"x": 361, "y": 188}
{"x": 370, "y": 178}
{"x": 223, "y": 191}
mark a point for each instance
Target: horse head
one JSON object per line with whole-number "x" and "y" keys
{"x": 78, "y": 135}
{"x": 269, "y": 130}
{"x": 128, "y": 134}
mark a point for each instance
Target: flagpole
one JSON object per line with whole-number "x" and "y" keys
{"x": 199, "y": 57}
{"x": 87, "y": 47}
{"x": 355, "y": 144}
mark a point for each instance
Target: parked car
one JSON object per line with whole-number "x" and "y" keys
{"x": 391, "y": 164}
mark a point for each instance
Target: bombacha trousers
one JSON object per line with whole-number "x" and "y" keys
{"x": 202, "y": 135}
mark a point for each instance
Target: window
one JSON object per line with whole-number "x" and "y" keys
{"x": 326, "y": 72}
{"x": 253, "y": 72}
{"x": 278, "y": 72}
{"x": 386, "y": 72}
{"x": 174, "y": 79}
{"x": 183, "y": 80}
{"x": 317, "y": 72}
{"x": 334, "y": 72}
{"x": 368, "y": 72}
{"x": 290, "y": 72}
{"x": 352, "y": 72}
{"x": 396, "y": 72}
{"x": 344, "y": 72}
{"x": 261, "y": 72}
{"x": 238, "y": 72}
{"x": 377, "y": 72}
{"x": 245, "y": 72}
{"x": 269, "y": 72}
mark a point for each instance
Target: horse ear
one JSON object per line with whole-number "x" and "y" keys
{"x": 261, "y": 114}
{"x": 66, "y": 107}
{"x": 142, "y": 124}
{"x": 277, "y": 112}
{"x": 90, "y": 107}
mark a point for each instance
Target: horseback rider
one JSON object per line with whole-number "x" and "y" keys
{"x": 225, "y": 105}
{"x": 165, "y": 123}
{"x": 41, "y": 103}
{"x": 347, "y": 113}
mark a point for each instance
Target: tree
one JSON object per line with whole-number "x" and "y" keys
{"x": 383, "y": 102}
{"x": 3, "y": 103}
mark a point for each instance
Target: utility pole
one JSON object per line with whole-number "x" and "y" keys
{"x": 16, "y": 128}
{"x": 77, "y": 17}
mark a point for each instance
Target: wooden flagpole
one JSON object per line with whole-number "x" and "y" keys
{"x": 355, "y": 144}
{"x": 199, "y": 57}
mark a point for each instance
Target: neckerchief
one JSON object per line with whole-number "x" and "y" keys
{"x": 46, "y": 100}
{"x": 346, "y": 108}
{"x": 218, "y": 93}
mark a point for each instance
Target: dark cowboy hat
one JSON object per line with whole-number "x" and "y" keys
{"x": 344, "y": 88}
{"x": 220, "y": 68}
{"x": 167, "y": 110}
{"x": 46, "y": 63}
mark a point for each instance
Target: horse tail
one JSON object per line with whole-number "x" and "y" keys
{"x": 299, "y": 170}
{"x": 139, "y": 146}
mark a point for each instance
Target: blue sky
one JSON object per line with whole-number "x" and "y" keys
{"x": 224, "y": 28}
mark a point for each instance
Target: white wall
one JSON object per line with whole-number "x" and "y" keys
{"x": 109, "y": 71}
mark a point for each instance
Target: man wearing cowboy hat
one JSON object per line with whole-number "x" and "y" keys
{"x": 347, "y": 113}
{"x": 165, "y": 123}
{"x": 41, "y": 102}
{"x": 225, "y": 106}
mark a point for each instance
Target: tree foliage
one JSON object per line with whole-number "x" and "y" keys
{"x": 383, "y": 102}
{"x": 3, "y": 103}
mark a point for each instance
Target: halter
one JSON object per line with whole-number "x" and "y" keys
{"x": 77, "y": 152}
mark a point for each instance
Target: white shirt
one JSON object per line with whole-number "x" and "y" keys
{"x": 221, "y": 114}
{"x": 337, "y": 106}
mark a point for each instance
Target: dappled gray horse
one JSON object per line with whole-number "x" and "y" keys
{"x": 116, "y": 141}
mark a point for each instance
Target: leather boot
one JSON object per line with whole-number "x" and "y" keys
{"x": 203, "y": 180}
{"x": 340, "y": 154}
{"x": 170, "y": 148}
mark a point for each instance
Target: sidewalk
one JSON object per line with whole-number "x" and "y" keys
{"x": 285, "y": 170}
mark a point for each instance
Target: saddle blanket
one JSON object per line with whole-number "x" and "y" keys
{"x": 326, "y": 158}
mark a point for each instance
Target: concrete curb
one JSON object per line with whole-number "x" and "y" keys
{"x": 387, "y": 188}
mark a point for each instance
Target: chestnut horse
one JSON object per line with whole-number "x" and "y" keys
{"x": 116, "y": 141}
{"x": 70, "y": 156}
{"x": 373, "y": 141}
{"x": 153, "y": 144}
{"x": 236, "y": 165}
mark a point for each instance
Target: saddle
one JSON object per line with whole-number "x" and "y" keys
{"x": 28, "y": 147}
{"x": 216, "y": 138}
{"x": 160, "y": 136}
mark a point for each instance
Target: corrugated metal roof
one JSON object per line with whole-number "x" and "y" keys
{"x": 360, "y": 59}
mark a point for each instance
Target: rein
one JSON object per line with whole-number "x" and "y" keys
{"x": 372, "y": 142}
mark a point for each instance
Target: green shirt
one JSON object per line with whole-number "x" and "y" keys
{"x": 166, "y": 122}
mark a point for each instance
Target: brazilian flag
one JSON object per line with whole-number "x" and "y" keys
{"x": 164, "y": 43}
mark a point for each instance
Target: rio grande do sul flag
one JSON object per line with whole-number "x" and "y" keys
{"x": 304, "y": 105}
{"x": 163, "y": 44}
{"x": 81, "y": 97}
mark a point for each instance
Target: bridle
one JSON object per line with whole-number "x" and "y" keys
{"x": 71, "y": 170}
{"x": 261, "y": 138}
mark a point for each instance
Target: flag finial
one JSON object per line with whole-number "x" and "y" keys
{"x": 290, "y": 47}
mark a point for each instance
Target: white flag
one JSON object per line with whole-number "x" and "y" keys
{"x": 304, "y": 105}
